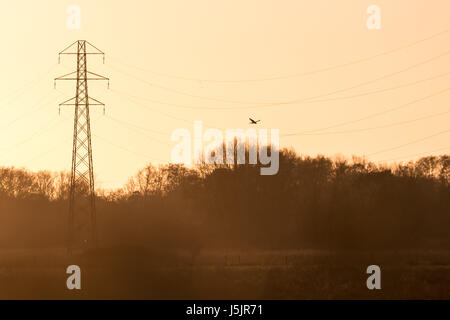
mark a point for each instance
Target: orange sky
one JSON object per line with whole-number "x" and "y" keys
{"x": 162, "y": 55}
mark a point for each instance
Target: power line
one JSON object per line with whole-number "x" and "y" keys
{"x": 35, "y": 134}
{"x": 369, "y": 116}
{"x": 157, "y": 110}
{"x": 145, "y": 134}
{"x": 311, "y": 132}
{"x": 301, "y": 101}
{"x": 39, "y": 106}
{"x": 320, "y": 70}
{"x": 47, "y": 151}
{"x": 312, "y": 99}
{"x": 408, "y": 84}
{"x": 416, "y": 154}
{"x": 19, "y": 92}
{"x": 380, "y": 127}
{"x": 136, "y": 126}
{"x": 179, "y": 91}
{"x": 126, "y": 149}
{"x": 409, "y": 143}
{"x": 55, "y": 146}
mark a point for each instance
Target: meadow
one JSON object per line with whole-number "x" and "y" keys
{"x": 137, "y": 273}
{"x": 227, "y": 232}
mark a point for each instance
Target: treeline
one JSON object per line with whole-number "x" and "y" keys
{"x": 316, "y": 202}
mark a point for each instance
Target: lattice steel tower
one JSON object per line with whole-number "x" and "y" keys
{"x": 82, "y": 231}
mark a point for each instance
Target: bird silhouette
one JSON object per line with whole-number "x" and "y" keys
{"x": 253, "y": 121}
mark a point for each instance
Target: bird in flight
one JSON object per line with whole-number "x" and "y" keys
{"x": 253, "y": 121}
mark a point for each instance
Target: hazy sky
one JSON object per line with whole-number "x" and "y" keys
{"x": 162, "y": 56}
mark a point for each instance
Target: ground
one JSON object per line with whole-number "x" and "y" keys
{"x": 136, "y": 273}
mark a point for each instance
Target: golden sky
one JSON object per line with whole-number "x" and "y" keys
{"x": 173, "y": 62}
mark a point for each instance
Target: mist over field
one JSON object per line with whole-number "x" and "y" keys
{"x": 318, "y": 218}
{"x": 318, "y": 203}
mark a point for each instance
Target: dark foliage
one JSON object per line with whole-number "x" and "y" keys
{"x": 317, "y": 202}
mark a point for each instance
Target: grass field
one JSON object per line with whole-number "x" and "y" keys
{"x": 137, "y": 273}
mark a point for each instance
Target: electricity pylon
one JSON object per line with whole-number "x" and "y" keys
{"x": 82, "y": 231}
